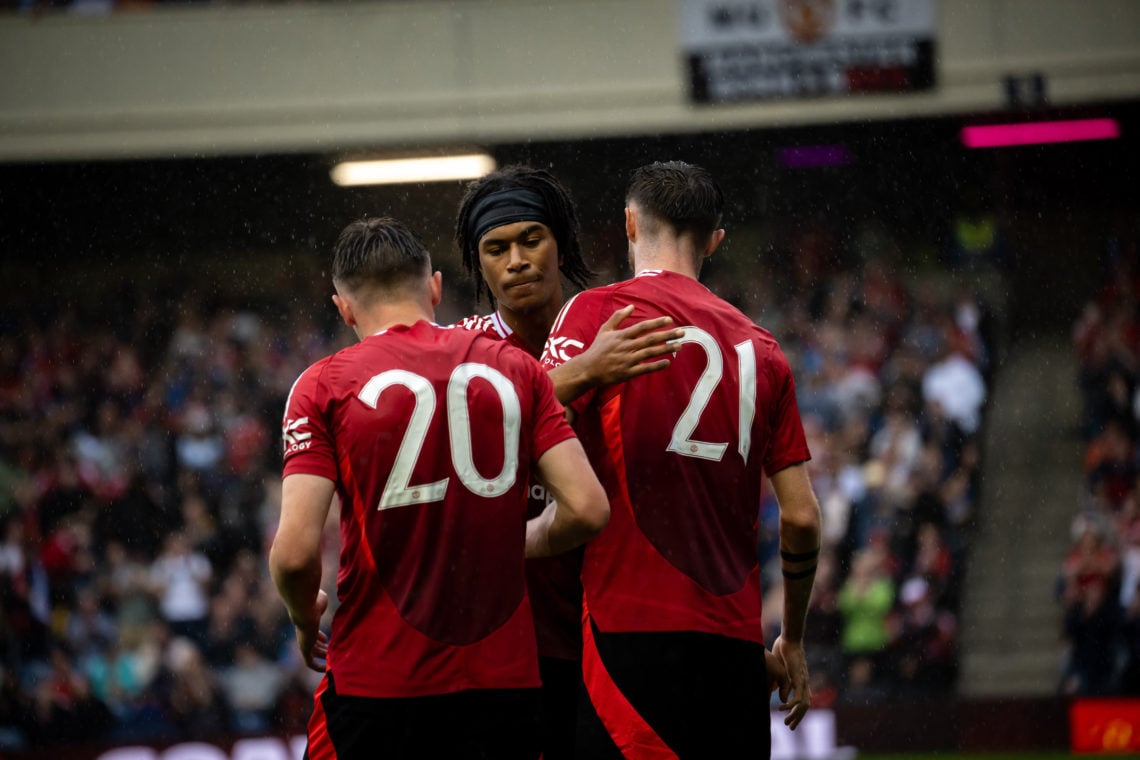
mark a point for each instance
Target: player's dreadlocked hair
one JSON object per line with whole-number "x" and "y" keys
{"x": 560, "y": 207}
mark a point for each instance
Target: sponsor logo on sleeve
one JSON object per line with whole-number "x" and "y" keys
{"x": 293, "y": 438}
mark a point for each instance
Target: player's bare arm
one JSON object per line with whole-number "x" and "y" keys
{"x": 295, "y": 560}
{"x": 799, "y": 554}
{"x": 580, "y": 508}
{"x": 617, "y": 354}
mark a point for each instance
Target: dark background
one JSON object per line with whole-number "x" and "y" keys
{"x": 257, "y": 221}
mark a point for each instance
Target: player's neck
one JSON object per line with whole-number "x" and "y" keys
{"x": 391, "y": 315}
{"x": 533, "y": 327}
{"x": 664, "y": 258}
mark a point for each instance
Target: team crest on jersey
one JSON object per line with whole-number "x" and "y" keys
{"x": 294, "y": 439}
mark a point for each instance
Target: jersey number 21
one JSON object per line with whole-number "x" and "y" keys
{"x": 682, "y": 440}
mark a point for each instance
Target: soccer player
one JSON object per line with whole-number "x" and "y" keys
{"x": 673, "y": 652}
{"x": 517, "y": 230}
{"x": 427, "y": 435}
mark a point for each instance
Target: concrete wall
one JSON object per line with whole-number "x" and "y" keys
{"x": 216, "y": 80}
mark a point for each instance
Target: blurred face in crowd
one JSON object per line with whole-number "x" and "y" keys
{"x": 519, "y": 263}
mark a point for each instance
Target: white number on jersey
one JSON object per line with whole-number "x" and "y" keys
{"x": 398, "y": 491}
{"x": 682, "y": 441}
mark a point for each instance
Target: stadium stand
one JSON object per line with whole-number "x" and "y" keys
{"x": 1098, "y": 581}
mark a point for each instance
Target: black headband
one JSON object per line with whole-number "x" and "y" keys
{"x": 506, "y": 206}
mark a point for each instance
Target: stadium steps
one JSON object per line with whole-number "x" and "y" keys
{"x": 1010, "y": 623}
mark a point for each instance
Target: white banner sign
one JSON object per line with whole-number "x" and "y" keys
{"x": 745, "y": 50}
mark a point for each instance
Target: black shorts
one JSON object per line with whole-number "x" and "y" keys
{"x": 695, "y": 695}
{"x": 561, "y": 680}
{"x": 482, "y": 723}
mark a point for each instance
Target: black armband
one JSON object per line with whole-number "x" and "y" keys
{"x": 799, "y": 557}
{"x": 798, "y": 574}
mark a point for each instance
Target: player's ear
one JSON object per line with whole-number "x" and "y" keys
{"x": 436, "y": 286}
{"x": 714, "y": 242}
{"x": 344, "y": 308}
{"x": 630, "y": 225}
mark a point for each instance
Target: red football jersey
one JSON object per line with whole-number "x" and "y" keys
{"x": 553, "y": 583}
{"x": 680, "y": 453}
{"x": 429, "y": 434}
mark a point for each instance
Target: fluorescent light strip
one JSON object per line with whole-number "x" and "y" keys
{"x": 1039, "y": 133}
{"x": 407, "y": 170}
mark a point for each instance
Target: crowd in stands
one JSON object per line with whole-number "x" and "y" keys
{"x": 139, "y": 489}
{"x": 1100, "y": 577}
{"x": 139, "y": 492}
{"x": 892, "y": 379}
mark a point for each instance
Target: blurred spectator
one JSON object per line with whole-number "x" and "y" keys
{"x": 25, "y": 595}
{"x": 101, "y": 453}
{"x": 924, "y": 645}
{"x": 62, "y": 490}
{"x": 65, "y": 555}
{"x": 13, "y": 550}
{"x": 194, "y": 701}
{"x": 896, "y": 448}
{"x": 15, "y": 713}
{"x": 1107, "y": 341}
{"x": 272, "y": 632}
{"x": 972, "y": 319}
{"x": 198, "y": 447}
{"x": 933, "y": 563}
{"x": 229, "y": 626}
{"x": 118, "y": 680}
{"x": 89, "y": 629}
{"x": 179, "y": 577}
{"x": 125, "y": 583}
{"x": 1130, "y": 635}
{"x": 865, "y": 600}
{"x": 252, "y": 685}
{"x": 1091, "y": 562}
{"x": 954, "y": 386}
{"x": 1091, "y": 633}
{"x": 203, "y": 533}
{"x": 294, "y": 703}
{"x": 1110, "y": 464}
{"x": 1128, "y": 529}
{"x": 64, "y": 708}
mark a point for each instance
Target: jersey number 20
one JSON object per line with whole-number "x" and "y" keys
{"x": 398, "y": 491}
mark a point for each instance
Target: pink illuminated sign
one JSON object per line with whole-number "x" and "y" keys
{"x": 1039, "y": 132}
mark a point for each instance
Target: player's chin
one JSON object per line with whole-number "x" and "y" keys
{"x": 522, "y": 303}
